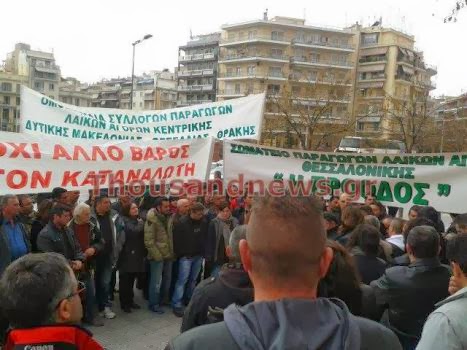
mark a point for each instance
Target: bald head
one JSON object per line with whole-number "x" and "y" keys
{"x": 183, "y": 206}
{"x": 345, "y": 200}
{"x": 286, "y": 239}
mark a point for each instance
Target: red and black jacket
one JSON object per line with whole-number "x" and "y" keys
{"x": 56, "y": 337}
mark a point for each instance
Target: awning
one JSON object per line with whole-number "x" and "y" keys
{"x": 403, "y": 51}
{"x": 410, "y": 54}
{"x": 374, "y": 51}
{"x": 46, "y": 70}
{"x": 147, "y": 92}
{"x": 369, "y": 85}
{"x": 372, "y": 68}
{"x": 407, "y": 70}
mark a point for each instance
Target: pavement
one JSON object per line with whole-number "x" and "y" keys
{"x": 141, "y": 329}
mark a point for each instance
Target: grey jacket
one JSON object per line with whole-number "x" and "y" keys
{"x": 5, "y": 255}
{"x": 215, "y": 231}
{"x": 50, "y": 239}
{"x": 324, "y": 324}
{"x": 446, "y": 327}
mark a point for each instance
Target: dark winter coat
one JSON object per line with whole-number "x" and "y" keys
{"x": 132, "y": 256}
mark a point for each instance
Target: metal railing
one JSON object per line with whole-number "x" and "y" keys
{"x": 205, "y": 87}
{"x": 297, "y": 59}
{"x": 196, "y": 72}
{"x": 197, "y": 57}
{"x": 253, "y": 38}
{"x": 252, "y": 75}
{"x": 323, "y": 44}
{"x": 253, "y": 56}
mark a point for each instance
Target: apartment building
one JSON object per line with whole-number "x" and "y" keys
{"x": 452, "y": 108}
{"x": 73, "y": 92}
{"x": 197, "y": 70}
{"x": 314, "y": 64}
{"x": 10, "y": 85}
{"x": 390, "y": 72}
{"x": 42, "y": 73}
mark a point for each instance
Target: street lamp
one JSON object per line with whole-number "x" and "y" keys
{"x": 147, "y": 36}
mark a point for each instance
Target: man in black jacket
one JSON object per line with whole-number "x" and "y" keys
{"x": 411, "y": 292}
{"x": 232, "y": 286}
{"x": 189, "y": 235}
{"x": 57, "y": 237}
{"x": 285, "y": 255}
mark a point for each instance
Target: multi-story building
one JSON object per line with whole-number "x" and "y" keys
{"x": 10, "y": 85}
{"x": 39, "y": 67}
{"x": 451, "y": 123}
{"x": 452, "y": 108}
{"x": 313, "y": 65}
{"x": 73, "y": 92}
{"x": 390, "y": 72}
{"x": 197, "y": 70}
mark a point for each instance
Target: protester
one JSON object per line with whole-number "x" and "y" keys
{"x": 433, "y": 215}
{"x": 341, "y": 280}
{"x": 333, "y": 206}
{"x": 213, "y": 210}
{"x": 366, "y": 210}
{"x": 411, "y": 292}
{"x": 104, "y": 220}
{"x": 26, "y": 212}
{"x": 396, "y": 238}
{"x": 159, "y": 241}
{"x": 385, "y": 223}
{"x": 243, "y": 213}
{"x": 218, "y": 237}
{"x": 232, "y": 286}
{"x": 345, "y": 200}
{"x": 370, "y": 199}
{"x": 183, "y": 208}
{"x": 364, "y": 245}
{"x": 379, "y": 210}
{"x": 14, "y": 240}
{"x": 42, "y": 219}
{"x": 351, "y": 218}
{"x": 122, "y": 204}
{"x": 446, "y": 327}
{"x": 39, "y": 294}
{"x": 72, "y": 198}
{"x": 189, "y": 239}
{"x": 285, "y": 257}
{"x": 59, "y": 196}
{"x": 413, "y": 212}
{"x": 331, "y": 224}
{"x": 91, "y": 243}
{"x": 131, "y": 262}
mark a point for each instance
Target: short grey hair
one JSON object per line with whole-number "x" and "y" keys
{"x": 237, "y": 234}
{"x": 79, "y": 209}
{"x": 182, "y": 201}
{"x": 372, "y": 220}
{"x": 32, "y": 287}
{"x": 6, "y": 198}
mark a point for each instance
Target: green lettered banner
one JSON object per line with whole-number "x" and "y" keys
{"x": 438, "y": 180}
{"x": 233, "y": 119}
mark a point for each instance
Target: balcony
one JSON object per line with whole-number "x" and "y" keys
{"x": 323, "y": 45}
{"x": 320, "y": 63}
{"x": 320, "y": 100}
{"x": 184, "y": 103}
{"x": 196, "y": 73}
{"x": 229, "y": 93}
{"x": 252, "y": 75}
{"x": 372, "y": 59}
{"x": 254, "y": 39}
{"x": 254, "y": 58}
{"x": 197, "y": 57}
{"x": 187, "y": 88}
{"x": 314, "y": 80}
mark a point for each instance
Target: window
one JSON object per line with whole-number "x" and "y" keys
{"x": 315, "y": 38}
{"x": 251, "y": 70}
{"x": 360, "y": 126}
{"x": 47, "y": 63}
{"x": 6, "y": 100}
{"x": 237, "y": 88}
{"x": 4, "y": 127}
{"x": 369, "y": 39}
{"x": 18, "y": 101}
{"x": 252, "y": 34}
{"x": 6, "y": 86}
{"x": 375, "y": 126}
{"x": 276, "y": 53}
{"x": 312, "y": 76}
{"x": 141, "y": 104}
{"x": 315, "y": 57}
{"x": 275, "y": 72}
{"x": 51, "y": 86}
{"x": 274, "y": 89}
{"x": 231, "y": 36}
{"x": 5, "y": 114}
{"x": 300, "y": 37}
{"x": 18, "y": 88}
{"x": 238, "y": 71}
{"x": 141, "y": 94}
{"x": 51, "y": 75}
{"x": 77, "y": 101}
{"x": 39, "y": 85}
{"x": 277, "y": 35}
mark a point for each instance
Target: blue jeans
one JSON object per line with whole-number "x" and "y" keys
{"x": 90, "y": 299}
{"x": 102, "y": 279}
{"x": 155, "y": 281}
{"x": 188, "y": 271}
{"x": 166, "y": 280}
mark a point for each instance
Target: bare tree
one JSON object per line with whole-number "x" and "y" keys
{"x": 312, "y": 112}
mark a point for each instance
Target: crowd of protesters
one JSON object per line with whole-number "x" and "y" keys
{"x": 242, "y": 272}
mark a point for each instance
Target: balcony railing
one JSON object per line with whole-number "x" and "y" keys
{"x": 253, "y": 57}
{"x": 196, "y": 73}
{"x": 206, "y": 87}
{"x": 371, "y": 59}
{"x": 191, "y": 102}
{"x": 238, "y": 92}
{"x": 320, "y": 62}
{"x": 253, "y": 75}
{"x": 323, "y": 44}
{"x": 254, "y": 38}
{"x": 197, "y": 57}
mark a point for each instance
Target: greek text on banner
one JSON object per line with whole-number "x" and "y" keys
{"x": 233, "y": 119}
{"x": 438, "y": 180}
{"x": 33, "y": 164}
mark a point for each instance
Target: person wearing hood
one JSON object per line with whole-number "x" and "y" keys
{"x": 285, "y": 255}
{"x": 232, "y": 286}
{"x": 218, "y": 238}
{"x": 446, "y": 327}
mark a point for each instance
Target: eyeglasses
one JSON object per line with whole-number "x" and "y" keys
{"x": 81, "y": 289}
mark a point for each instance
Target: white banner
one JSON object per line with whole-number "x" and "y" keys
{"x": 438, "y": 180}
{"x": 33, "y": 164}
{"x": 233, "y": 119}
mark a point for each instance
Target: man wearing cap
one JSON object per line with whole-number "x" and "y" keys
{"x": 189, "y": 235}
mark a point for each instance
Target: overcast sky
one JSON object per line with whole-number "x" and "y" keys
{"x": 92, "y": 39}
